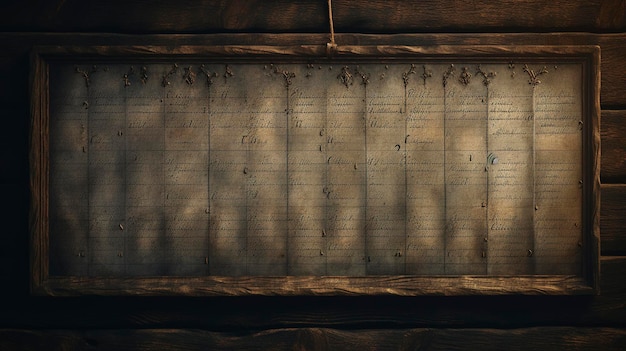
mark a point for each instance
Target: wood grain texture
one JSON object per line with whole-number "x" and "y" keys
{"x": 613, "y": 53}
{"x": 316, "y": 286}
{"x": 613, "y": 130}
{"x": 613, "y": 223}
{"x": 592, "y": 171}
{"x": 266, "y": 312}
{"x": 188, "y": 16}
{"x": 380, "y": 50}
{"x": 39, "y": 170}
{"x": 544, "y": 338}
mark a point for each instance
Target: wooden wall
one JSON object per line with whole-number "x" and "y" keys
{"x": 329, "y": 323}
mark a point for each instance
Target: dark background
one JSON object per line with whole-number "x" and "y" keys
{"x": 315, "y": 323}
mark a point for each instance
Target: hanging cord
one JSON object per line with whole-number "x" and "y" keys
{"x": 332, "y": 46}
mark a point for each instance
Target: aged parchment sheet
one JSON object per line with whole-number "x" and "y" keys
{"x": 375, "y": 168}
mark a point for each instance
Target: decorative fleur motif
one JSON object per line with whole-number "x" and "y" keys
{"x": 449, "y": 72}
{"x": 228, "y": 72}
{"x": 345, "y": 77}
{"x": 86, "y": 73}
{"x": 426, "y": 74}
{"x": 365, "y": 78}
{"x": 406, "y": 75}
{"x": 486, "y": 76}
{"x": 189, "y": 75}
{"x": 126, "y": 76}
{"x": 209, "y": 76}
{"x": 144, "y": 75}
{"x": 465, "y": 76}
{"x": 287, "y": 76}
{"x": 166, "y": 77}
{"x": 533, "y": 77}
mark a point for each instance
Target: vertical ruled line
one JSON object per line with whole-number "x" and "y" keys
{"x": 406, "y": 179}
{"x": 88, "y": 243}
{"x": 127, "y": 227}
{"x": 445, "y": 181}
{"x": 287, "y": 116}
{"x": 163, "y": 237}
{"x": 486, "y": 241}
{"x": 365, "y": 232}
{"x": 326, "y": 178}
{"x": 245, "y": 195}
{"x": 534, "y": 168}
{"x": 208, "y": 181}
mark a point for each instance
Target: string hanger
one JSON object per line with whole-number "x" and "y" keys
{"x": 331, "y": 47}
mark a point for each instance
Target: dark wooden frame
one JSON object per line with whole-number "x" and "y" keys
{"x": 44, "y": 284}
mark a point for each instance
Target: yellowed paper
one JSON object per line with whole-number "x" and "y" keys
{"x": 344, "y": 169}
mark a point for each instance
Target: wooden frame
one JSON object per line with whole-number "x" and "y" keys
{"x": 44, "y": 284}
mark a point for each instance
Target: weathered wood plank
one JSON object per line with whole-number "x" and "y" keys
{"x": 612, "y": 131}
{"x": 255, "y": 313}
{"x": 39, "y": 170}
{"x": 320, "y": 50}
{"x": 188, "y": 16}
{"x": 316, "y": 286}
{"x": 613, "y": 68}
{"x": 613, "y": 219}
{"x": 544, "y": 338}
